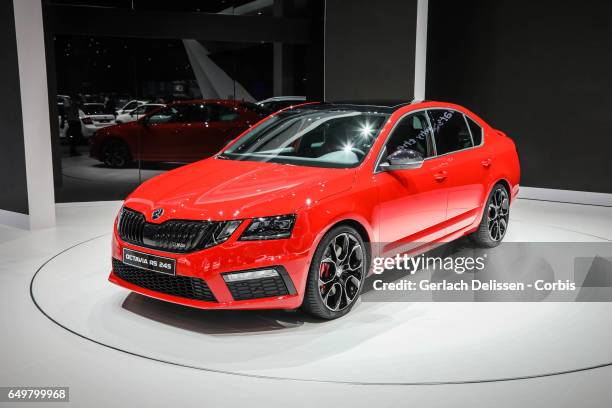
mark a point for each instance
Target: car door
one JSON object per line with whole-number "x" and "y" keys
{"x": 162, "y": 137}
{"x": 212, "y": 128}
{"x": 412, "y": 202}
{"x": 466, "y": 166}
{"x": 229, "y": 122}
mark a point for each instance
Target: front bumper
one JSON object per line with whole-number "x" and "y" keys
{"x": 285, "y": 255}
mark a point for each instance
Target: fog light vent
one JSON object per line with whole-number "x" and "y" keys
{"x": 255, "y": 284}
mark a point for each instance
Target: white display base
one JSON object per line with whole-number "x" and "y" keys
{"x": 383, "y": 343}
{"x": 566, "y": 196}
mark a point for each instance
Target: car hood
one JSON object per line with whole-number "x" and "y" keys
{"x": 219, "y": 189}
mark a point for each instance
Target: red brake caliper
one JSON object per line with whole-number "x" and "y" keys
{"x": 324, "y": 274}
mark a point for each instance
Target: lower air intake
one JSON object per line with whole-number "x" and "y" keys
{"x": 181, "y": 286}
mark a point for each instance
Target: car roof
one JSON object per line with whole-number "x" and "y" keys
{"x": 283, "y": 98}
{"x": 379, "y": 106}
{"x": 217, "y": 101}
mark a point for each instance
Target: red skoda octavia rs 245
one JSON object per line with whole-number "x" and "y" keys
{"x": 284, "y": 216}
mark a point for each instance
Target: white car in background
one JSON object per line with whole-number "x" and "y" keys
{"x": 280, "y": 102}
{"x": 93, "y": 116}
{"x": 138, "y": 113}
{"x": 130, "y": 106}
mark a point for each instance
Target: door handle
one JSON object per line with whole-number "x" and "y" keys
{"x": 441, "y": 176}
{"x": 486, "y": 163}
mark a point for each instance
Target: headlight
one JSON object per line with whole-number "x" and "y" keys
{"x": 276, "y": 227}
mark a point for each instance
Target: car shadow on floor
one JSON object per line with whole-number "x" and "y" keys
{"x": 459, "y": 247}
{"x": 243, "y": 321}
{"x": 214, "y": 321}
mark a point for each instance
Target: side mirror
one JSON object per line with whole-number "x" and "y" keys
{"x": 403, "y": 159}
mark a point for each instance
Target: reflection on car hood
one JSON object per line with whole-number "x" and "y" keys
{"x": 227, "y": 189}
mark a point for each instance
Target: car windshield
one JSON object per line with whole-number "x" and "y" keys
{"x": 338, "y": 138}
{"x": 93, "y": 109}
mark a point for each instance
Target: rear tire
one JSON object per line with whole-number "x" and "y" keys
{"x": 495, "y": 219}
{"x": 337, "y": 273}
{"x": 116, "y": 154}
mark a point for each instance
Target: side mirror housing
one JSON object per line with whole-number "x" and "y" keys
{"x": 403, "y": 159}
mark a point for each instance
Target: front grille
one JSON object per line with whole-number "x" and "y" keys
{"x": 179, "y": 236}
{"x": 258, "y": 288}
{"x": 181, "y": 286}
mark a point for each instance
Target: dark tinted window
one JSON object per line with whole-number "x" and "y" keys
{"x": 131, "y": 105}
{"x": 169, "y": 114}
{"x": 411, "y": 132}
{"x": 450, "y": 131}
{"x": 195, "y": 113}
{"x": 476, "y": 131}
{"x": 141, "y": 110}
{"x": 93, "y": 109}
{"x": 221, "y": 113}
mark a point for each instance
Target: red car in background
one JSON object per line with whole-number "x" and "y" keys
{"x": 180, "y": 132}
{"x": 286, "y": 214}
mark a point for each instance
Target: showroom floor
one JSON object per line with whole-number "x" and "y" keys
{"x": 87, "y": 179}
{"x": 113, "y": 348}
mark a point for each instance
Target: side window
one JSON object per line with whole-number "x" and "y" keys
{"x": 131, "y": 105}
{"x": 450, "y": 131}
{"x": 220, "y": 113}
{"x": 165, "y": 115}
{"x": 195, "y": 113}
{"x": 141, "y": 110}
{"x": 411, "y": 132}
{"x": 170, "y": 114}
{"x": 476, "y": 131}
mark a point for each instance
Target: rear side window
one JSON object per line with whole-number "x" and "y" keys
{"x": 195, "y": 114}
{"x": 141, "y": 110}
{"x": 169, "y": 114}
{"x": 476, "y": 131}
{"x": 220, "y": 113}
{"x": 131, "y": 105}
{"x": 450, "y": 131}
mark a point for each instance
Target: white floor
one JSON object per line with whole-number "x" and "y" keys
{"x": 278, "y": 358}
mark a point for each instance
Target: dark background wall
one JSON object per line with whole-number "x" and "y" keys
{"x": 369, "y": 49}
{"x": 13, "y": 185}
{"x": 540, "y": 71}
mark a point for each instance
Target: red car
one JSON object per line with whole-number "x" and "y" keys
{"x": 285, "y": 215}
{"x": 180, "y": 132}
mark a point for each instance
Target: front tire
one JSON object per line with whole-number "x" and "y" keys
{"x": 337, "y": 272}
{"x": 495, "y": 219}
{"x": 116, "y": 154}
